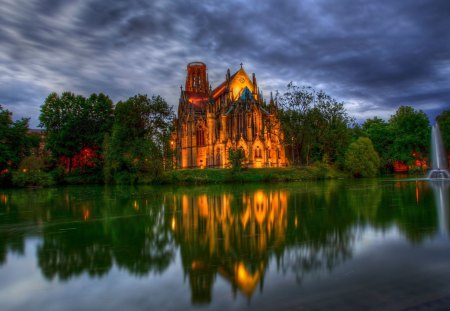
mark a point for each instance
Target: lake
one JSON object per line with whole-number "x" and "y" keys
{"x": 333, "y": 245}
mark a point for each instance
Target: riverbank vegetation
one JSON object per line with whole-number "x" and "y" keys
{"x": 91, "y": 140}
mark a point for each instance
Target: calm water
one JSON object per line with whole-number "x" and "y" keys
{"x": 339, "y": 245}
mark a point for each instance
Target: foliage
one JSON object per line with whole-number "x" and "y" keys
{"x": 73, "y": 122}
{"x": 315, "y": 125}
{"x": 411, "y": 134}
{"x": 31, "y": 173}
{"x": 444, "y": 125}
{"x": 361, "y": 159}
{"x": 258, "y": 175}
{"x": 381, "y": 135}
{"x": 15, "y": 142}
{"x": 236, "y": 158}
{"x": 139, "y": 143}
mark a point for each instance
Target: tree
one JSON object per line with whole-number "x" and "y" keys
{"x": 15, "y": 142}
{"x": 236, "y": 158}
{"x": 315, "y": 125}
{"x": 73, "y": 123}
{"x": 411, "y": 134}
{"x": 361, "y": 159}
{"x": 444, "y": 125}
{"x": 139, "y": 139}
{"x": 381, "y": 135}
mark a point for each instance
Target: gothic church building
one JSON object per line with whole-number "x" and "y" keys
{"x": 233, "y": 115}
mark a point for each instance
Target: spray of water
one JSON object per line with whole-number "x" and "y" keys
{"x": 438, "y": 156}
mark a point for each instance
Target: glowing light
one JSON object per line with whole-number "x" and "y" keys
{"x": 246, "y": 281}
{"x": 136, "y": 205}
{"x": 173, "y": 224}
{"x": 86, "y": 214}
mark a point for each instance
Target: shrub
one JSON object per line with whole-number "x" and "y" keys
{"x": 361, "y": 159}
{"x": 32, "y": 179}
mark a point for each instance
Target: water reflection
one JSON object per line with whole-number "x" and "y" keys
{"x": 219, "y": 232}
{"x": 441, "y": 192}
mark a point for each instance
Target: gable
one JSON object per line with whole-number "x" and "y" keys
{"x": 239, "y": 82}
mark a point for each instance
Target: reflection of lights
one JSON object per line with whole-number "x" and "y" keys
{"x": 86, "y": 214}
{"x": 246, "y": 281}
{"x": 173, "y": 223}
{"x": 197, "y": 264}
{"x": 135, "y": 205}
{"x": 417, "y": 192}
{"x": 4, "y": 198}
{"x": 259, "y": 197}
{"x": 296, "y": 222}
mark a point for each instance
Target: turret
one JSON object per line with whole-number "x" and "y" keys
{"x": 197, "y": 79}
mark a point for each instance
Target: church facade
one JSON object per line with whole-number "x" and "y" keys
{"x": 234, "y": 115}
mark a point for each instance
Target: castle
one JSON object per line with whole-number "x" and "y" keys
{"x": 233, "y": 115}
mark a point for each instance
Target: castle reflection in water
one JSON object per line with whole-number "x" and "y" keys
{"x": 230, "y": 235}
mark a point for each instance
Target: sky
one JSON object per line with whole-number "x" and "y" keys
{"x": 373, "y": 55}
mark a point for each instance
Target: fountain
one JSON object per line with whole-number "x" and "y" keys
{"x": 438, "y": 156}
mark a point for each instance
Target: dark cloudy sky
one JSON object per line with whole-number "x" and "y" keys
{"x": 374, "y": 55}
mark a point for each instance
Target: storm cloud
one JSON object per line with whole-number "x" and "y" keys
{"x": 373, "y": 56}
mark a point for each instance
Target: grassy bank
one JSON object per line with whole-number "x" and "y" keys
{"x": 215, "y": 176}
{"x": 40, "y": 179}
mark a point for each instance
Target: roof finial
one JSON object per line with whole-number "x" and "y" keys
{"x": 241, "y": 65}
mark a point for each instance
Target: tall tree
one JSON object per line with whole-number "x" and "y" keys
{"x": 411, "y": 132}
{"x": 73, "y": 122}
{"x": 15, "y": 142}
{"x": 139, "y": 139}
{"x": 315, "y": 125}
{"x": 381, "y": 135}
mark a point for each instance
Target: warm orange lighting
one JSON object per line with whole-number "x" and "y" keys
{"x": 173, "y": 224}
{"x": 296, "y": 222}
{"x": 24, "y": 170}
{"x": 246, "y": 281}
{"x": 4, "y": 198}
{"x": 86, "y": 214}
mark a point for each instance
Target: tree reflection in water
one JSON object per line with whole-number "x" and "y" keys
{"x": 234, "y": 233}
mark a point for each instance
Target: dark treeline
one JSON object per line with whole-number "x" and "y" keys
{"x": 91, "y": 140}
{"x": 88, "y": 140}
{"x": 318, "y": 129}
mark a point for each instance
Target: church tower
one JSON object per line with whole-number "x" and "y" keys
{"x": 197, "y": 80}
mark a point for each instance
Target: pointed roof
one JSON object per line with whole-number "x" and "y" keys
{"x": 222, "y": 87}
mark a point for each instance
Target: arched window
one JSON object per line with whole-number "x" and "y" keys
{"x": 200, "y": 136}
{"x": 258, "y": 152}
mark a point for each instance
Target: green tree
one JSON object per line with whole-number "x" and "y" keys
{"x": 411, "y": 134}
{"x": 15, "y": 142}
{"x": 73, "y": 122}
{"x": 139, "y": 139}
{"x": 236, "y": 158}
{"x": 381, "y": 135}
{"x": 316, "y": 126}
{"x": 444, "y": 125}
{"x": 361, "y": 159}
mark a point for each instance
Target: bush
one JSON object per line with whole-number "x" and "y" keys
{"x": 361, "y": 159}
{"x": 32, "y": 179}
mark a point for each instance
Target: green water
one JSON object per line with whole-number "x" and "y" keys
{"x": 337, "y": 245}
